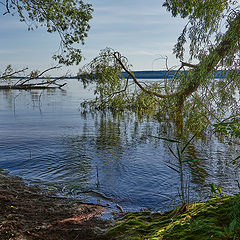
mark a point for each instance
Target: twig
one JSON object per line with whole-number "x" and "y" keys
{"x": 13, "y": 73}
{"x": 7, "y": 7}
{"x": 184, "y": 64}
{"x": 38, "y": 75}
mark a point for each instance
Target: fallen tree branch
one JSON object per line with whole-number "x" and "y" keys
{"x": 26, "y": 82}
{"x": 13, "y": 73}
{"x": 35, "y": 75}
{"x": 44, "y": 85}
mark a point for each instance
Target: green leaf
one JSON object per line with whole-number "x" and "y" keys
{"x": 234, "y": 161}
{"x": 221, "y": 234}
{"x": 166, "y": 139}
{"x": 233, "y": 225}
{"x": 219, "y": 190}
{"x": 213, "y": 189}
{"x": 172, "y": 152}
{"x": 174, "y": 169}
{"x": 194, "y": 160}
{"x": 188, "y": 142}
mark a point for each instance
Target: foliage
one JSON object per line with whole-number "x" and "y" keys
{"x": 231, "y": 128}
{"x": 112, "y": 90}
{"x": 205, "y": 18}
{"x": 216, "y": 191}
{"x": 192, "y": 99}
{"x": 67, "y": 18}
{"x": 207, "y": 105}
{"x": 111, "y": 93}
{"x": 234, "y": 215}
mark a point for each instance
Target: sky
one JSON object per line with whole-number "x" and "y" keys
{"x": 140, "y": 30}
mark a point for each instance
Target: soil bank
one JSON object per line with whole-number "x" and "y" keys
{"x": 27, "y": 212}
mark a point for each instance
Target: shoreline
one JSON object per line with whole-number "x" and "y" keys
{"x": 29, "y": 212}
{"x": 32, "y": 213}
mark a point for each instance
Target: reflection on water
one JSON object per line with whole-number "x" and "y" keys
{"x": 99, "y": 157}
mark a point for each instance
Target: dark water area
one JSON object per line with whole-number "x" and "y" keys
{"x": 100, "y": 158}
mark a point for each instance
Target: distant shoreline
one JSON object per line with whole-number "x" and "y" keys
{"x": 161, "y": 74}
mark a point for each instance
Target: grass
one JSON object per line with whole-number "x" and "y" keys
{"x": 217, "y": 218}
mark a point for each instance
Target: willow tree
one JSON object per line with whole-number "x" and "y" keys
{"x": 69, "y": 19}
{"x": 193, "y": 97}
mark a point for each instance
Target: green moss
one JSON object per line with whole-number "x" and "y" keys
{"x": 216, "y": 218}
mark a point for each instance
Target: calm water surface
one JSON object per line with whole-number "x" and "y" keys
{"x": 45, "y": 138}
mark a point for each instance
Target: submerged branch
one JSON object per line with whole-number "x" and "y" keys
{"x": 31, "y": 86}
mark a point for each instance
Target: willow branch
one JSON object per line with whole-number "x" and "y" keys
{"x": 118, "y": 57}
{"x": 210, "y": 112}
{"x": 184, "y": 64}
{"x": 201, "y": 71}
{"x": 121, "y": 91}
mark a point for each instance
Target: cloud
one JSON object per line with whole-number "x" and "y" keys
{"x": 140, "y": 14}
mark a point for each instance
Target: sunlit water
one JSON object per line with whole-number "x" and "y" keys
{"x": 45, "y": 138}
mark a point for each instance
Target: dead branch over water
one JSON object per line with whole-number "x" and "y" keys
{"x": 11, "y": 79}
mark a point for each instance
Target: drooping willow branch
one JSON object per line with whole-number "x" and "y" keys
{"x": 70, "y": 19}
{"x": 200, "y": 72}
{"x": 121, "y": 91}
{"x": 118, "y": 57}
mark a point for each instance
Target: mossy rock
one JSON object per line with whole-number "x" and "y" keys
{"x": 217, "y": 218}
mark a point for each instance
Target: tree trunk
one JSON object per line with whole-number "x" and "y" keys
{"x": 201, "y": 72}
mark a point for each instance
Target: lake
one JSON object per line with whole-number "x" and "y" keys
{"x": 47, "y": 140}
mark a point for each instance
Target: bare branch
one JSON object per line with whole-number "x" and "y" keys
{"x": 38, "y": 75}
{"x": 184, "y": 64}
{"x": 13, "y": 73}
{"x": 7, "y": 7}
{"x": 25, "y": 82}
